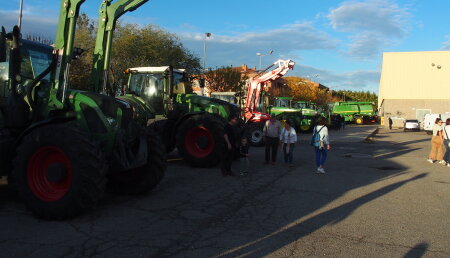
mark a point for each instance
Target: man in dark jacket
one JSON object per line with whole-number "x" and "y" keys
{"x": 230, "y": 145}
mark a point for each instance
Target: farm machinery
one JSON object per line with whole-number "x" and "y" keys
{"x": 356, "y": 112}
{"x": 192, "y": 123}
{"x": 61, "y": 147}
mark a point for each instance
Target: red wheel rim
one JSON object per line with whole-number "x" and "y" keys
{"x": 199, "y": 142}
{"x": 38, "y": 181}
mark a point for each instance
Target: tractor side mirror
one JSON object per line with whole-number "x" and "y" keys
{"x": 3, "y": 45}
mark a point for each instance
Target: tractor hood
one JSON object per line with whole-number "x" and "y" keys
{"x": 196, "y": 103}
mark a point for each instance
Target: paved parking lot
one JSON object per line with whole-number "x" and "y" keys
{"x": 379, "y": 198}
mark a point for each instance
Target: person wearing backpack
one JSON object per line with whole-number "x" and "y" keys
{"x": 321, "y": 144}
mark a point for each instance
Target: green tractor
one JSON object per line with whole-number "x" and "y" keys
{"x": 60, "y": 147}
{"x": 192, "y": 123}
{"x": 299, "y": 111}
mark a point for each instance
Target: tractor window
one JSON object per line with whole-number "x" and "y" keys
{"x": 35, "y": 59}
{"x": 146, "y": 85}
{"x": 150, "y": 88}
{"x": 300, "y": 105}
{"x": 282, "y": 103}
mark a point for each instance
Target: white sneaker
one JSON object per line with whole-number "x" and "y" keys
{"x": 448, "y": 164}
{"x": 318, "y": 171}
{"x": 430, "y": 160}
{"x": 442, "y": 162}
{"x": 321, "y": 170}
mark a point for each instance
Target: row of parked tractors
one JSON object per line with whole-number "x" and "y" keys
{"x": 61, "y": 148}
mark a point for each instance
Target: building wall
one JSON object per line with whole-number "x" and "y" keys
{"x": 401, "y": 109}
{"x": 414, "y": 83}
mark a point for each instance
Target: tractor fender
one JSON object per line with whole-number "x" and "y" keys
{"x": 51, "y": 120}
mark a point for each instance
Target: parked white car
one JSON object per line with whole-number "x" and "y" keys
{"x": 411, "y": 125}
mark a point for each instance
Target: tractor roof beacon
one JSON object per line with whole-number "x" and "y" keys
{"x": 66, "y": 144}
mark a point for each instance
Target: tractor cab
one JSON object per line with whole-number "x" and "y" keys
{"x": 155, "y": 85}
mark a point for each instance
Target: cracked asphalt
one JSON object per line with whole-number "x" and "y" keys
{"x": 379, "y": 198}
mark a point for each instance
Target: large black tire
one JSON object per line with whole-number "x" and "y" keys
{"x": 254, "y": 133}
{"x": 142, "y": 179}
{"x": 163, "y": 128}
{"x": 59, "y": 172}
{"x": 200, "y": 140}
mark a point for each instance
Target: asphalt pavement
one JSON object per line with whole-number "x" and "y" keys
{"x": 379, "y": 198}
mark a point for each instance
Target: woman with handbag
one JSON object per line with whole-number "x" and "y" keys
{"x": 324, "y": 144}
{"x": 437, "y": 150}
{"x": 447, "y": 142}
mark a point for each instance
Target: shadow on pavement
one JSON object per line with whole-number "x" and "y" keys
{"x": 417, "y": 251}
{"x": 333, "y": 216}
{"x": 199, "y": 213}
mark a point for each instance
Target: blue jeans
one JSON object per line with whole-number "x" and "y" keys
{"x": 447, "y": 151}
{"x": 321, "y": 156}
{"x": 288, "y": 156}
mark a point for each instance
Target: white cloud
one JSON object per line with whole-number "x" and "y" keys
{"x": 240, "y": 48}
{"x": 446, "y": 44}
{"x": 355, "y": 80}
{"x": 33, "y": 22}
{"x": 372, "y": 24}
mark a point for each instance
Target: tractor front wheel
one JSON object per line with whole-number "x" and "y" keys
{"x": 200, "y": 140}
{"x": 142, "y": 179}
{"x": 59, "y": 172}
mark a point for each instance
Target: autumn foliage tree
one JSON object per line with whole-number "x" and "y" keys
{"x": 303, "y": 89}
{"x": 224, "y": 79}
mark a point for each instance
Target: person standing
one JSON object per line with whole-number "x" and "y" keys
{"x": 288, "y": 138}
{"x": 390, "y": 123}
{"x": 271, "y": 133}
{"x": 446, "y": 130}
{"x": 343, "y": 122}
{"x": 436, "y": 143}
{"x": 243, "y": 156}
{"x": 323, "y": 146}
{"x": 230, "y": 145}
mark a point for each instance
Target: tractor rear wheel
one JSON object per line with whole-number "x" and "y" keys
{"x": 59, "y": 172}
{"x": 142, "y": 179}
{"x": 200, "y": 140}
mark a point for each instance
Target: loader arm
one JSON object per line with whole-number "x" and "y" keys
{"x": 65, "y": 36}
{"x": 108, "y": 14}
{"x": 256, "y": 84}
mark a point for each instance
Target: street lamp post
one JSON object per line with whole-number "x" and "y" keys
{"x": 20, "y": 14}
{"x": 207, "y": 35}
{"x": 261, "y": 55}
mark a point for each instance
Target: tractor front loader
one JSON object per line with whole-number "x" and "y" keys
{"x": 58, "y": 146}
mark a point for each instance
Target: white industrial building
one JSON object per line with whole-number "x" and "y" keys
{"x": 413, "y": 84}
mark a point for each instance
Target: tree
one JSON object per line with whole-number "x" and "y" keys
{"x": 80, "y": 71}
{"x": 224, "y": 79}
{"x": 133, "y": 46}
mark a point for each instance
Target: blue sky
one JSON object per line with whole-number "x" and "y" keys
{"x": 338, "y": 43}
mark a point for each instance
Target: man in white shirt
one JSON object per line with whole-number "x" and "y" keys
{"x": 271, "y": 132}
